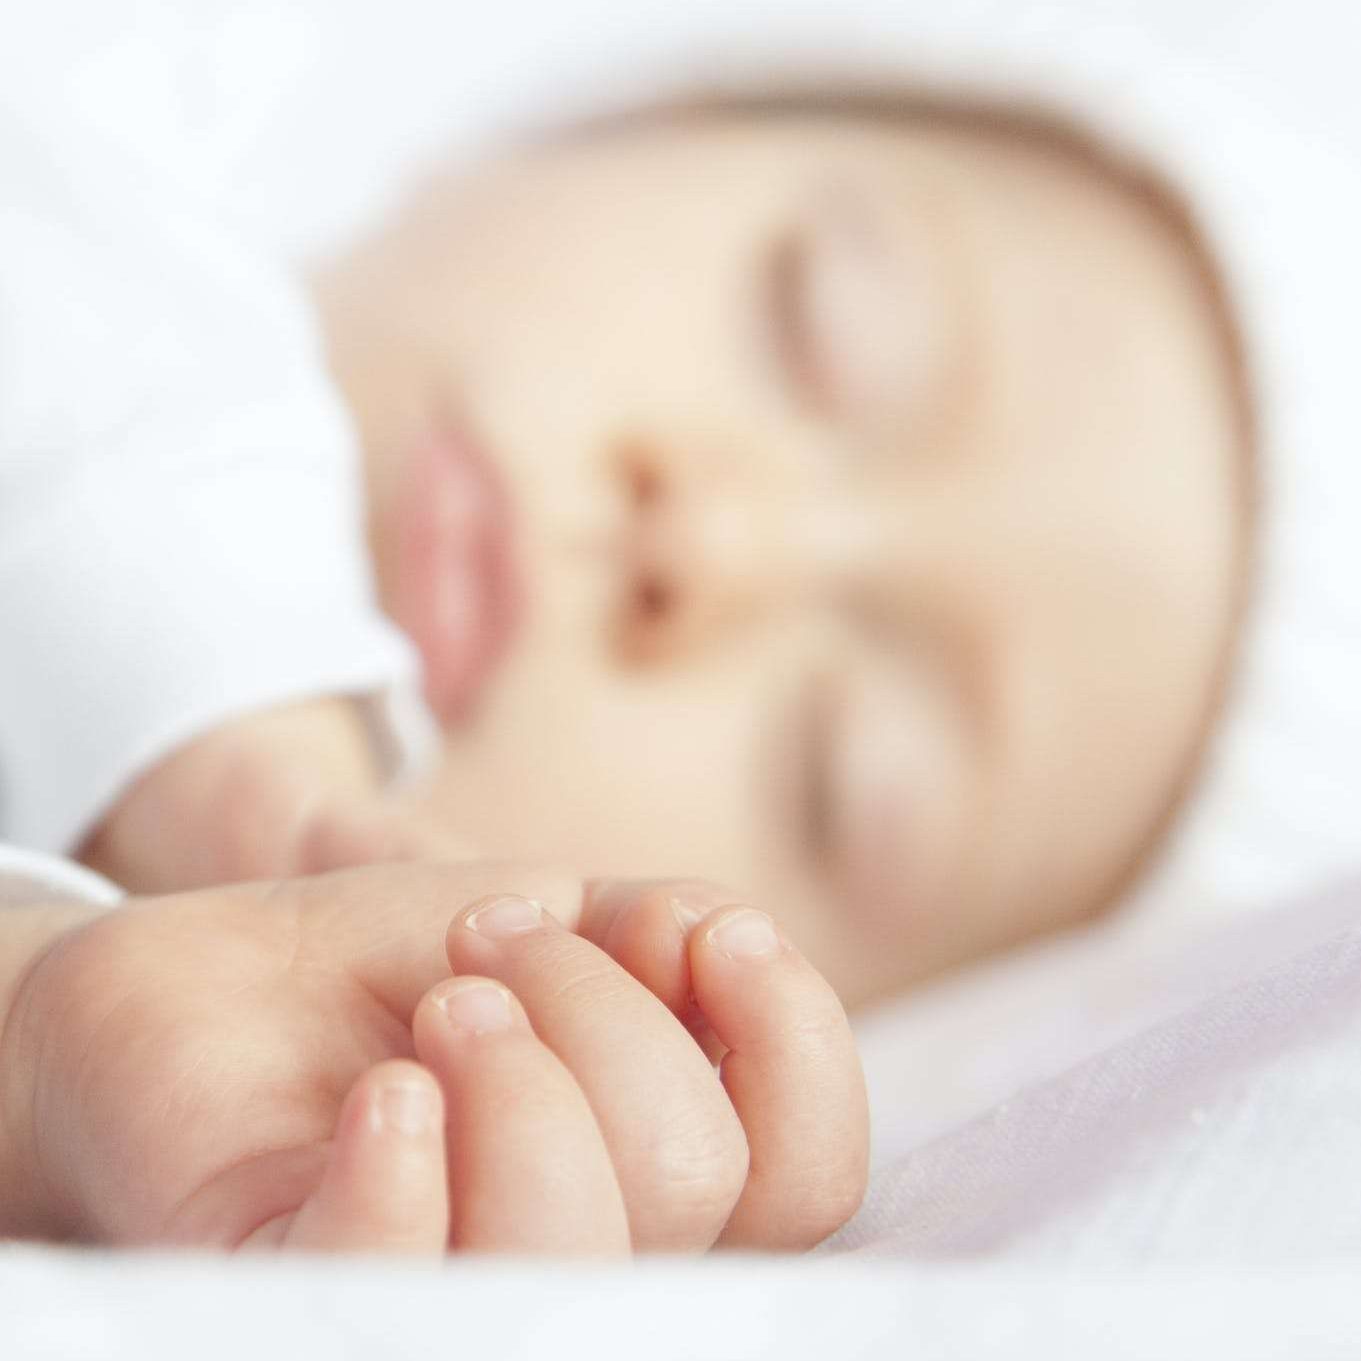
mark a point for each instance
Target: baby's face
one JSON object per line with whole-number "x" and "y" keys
{"x": 875, "y": 501}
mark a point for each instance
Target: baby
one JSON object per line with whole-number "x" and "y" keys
{"x": 873, "y": 490}
{"x": 898, "y": 568}
{"x": 851, "y": 503}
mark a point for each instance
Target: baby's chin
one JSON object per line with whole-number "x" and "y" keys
{"x": 454, "y": 589}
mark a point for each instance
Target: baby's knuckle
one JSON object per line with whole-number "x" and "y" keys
{"x": 823, "y": 1200}
{"x": 839, "y": 1202}
{"x": 700, "y": 1170}
{"x": 575, "y": 983}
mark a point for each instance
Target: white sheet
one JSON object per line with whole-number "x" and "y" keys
{"x": 80, "y": 1308}
{"x": 1211, "y": 1120}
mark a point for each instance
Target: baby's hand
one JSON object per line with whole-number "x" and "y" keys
{"x": 292, "y": 1065}
{"x": 288, "y": 791}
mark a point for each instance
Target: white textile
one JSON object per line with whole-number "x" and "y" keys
{"x": 181, "y": 534}
{"x": 161, "y": 1309}
{"x": 28, "y": 878}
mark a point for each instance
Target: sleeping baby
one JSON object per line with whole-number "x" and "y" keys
{"x": 853, "y": 500}
{"x": 899, "y": 568}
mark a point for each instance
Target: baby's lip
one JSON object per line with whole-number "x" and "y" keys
{"x": 456, "y": 593}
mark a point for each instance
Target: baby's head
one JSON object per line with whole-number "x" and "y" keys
{"x": 877, "y": 495}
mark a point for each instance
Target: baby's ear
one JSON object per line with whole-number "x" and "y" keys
{"x": 861, "y": 294}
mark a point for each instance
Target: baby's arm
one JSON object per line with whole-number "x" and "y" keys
{"x": 149, "y": 1054}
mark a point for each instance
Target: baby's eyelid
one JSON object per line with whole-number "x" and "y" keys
{"x": 806, "y": 354}
{"x": 856, "y": 324}
{"x": 829, "y": 721}
{"x": 783, "y": 297}
{"x": 816, "y": 735}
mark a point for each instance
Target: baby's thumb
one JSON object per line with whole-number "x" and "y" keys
{"x": 384, "y": 1188}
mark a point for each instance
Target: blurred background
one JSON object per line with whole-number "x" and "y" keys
{"x": 300, "y": 115}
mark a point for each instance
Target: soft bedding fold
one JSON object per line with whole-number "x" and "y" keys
{"x": 1220, "y": 1129}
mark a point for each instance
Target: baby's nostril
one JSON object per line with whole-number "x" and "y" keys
{"x": 645, "y": 485}
{"x": 654, "y": 598}
{"x": 645, "y": 626}
{"x": 641, "y": 474}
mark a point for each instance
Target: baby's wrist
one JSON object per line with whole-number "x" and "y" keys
{"x": 28, "y": 936}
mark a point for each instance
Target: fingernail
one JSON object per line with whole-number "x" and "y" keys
{"x": 687, "y": 918}
{"x": 744, "y": 934}
{"x": 501, "y": 917}
{"x": 405, "y": 1108}
{"x": 476, "y": 1006}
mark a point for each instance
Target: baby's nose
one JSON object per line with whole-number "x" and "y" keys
{"x": 714, "y": 552}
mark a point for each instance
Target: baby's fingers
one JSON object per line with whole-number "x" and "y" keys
{"x": 528, "y": 1168}
{"x": 792, "y": 1074}
{"x": 383, "y": 1189}
{"x": 642, "y": 924}
{"x": 677, "y": 1149}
